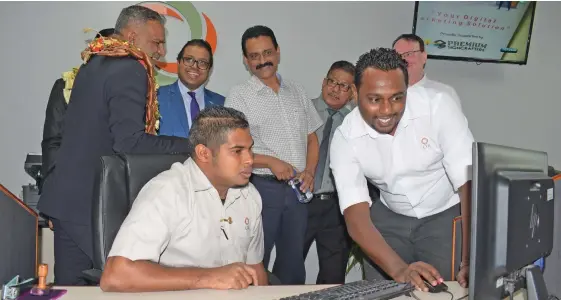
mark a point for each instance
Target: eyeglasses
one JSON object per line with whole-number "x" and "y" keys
{"x": 190, "y": 61}
{"x": 409, "y": 53}
{"x": 265, "y": 54}
{"x": 333, "y": 83}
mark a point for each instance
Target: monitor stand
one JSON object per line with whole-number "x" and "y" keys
{"x": 535, "y": 284}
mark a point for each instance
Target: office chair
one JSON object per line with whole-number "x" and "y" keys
{"x": 119, "y": 180}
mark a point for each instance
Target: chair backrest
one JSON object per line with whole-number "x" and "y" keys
{"x": 119, "y": 180}
{"x": 19, "y": 238}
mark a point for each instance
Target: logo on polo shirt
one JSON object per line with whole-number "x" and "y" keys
{"x": 246, "y": 221}
{"x": 425, "y": 142}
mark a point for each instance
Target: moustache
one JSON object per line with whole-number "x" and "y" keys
{"x": 270, "y": 64}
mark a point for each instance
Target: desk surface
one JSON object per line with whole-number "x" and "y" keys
{"x": 261, "y": 293}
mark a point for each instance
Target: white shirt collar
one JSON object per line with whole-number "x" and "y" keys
{"x": 201, "y": 182}
{"x": 421, "y": 82}
{"x": 415, "y": 107}
{"x": 358, "y": 126}
{"x": 259, "y": 85}
{"x": 199, "y": 92}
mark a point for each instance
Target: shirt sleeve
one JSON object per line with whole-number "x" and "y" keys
{"x": 454, "y": 95}
{"x": 126, "y": 91}
{"x": 235, "y": 100}
{"x": 147, "y": 229}
{"x": 349, "y": 178}
{"x": 256, "y": 245}
{"x": 455, "y": 139}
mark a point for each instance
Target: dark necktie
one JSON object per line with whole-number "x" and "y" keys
{"x": 194, "y": 107}
{"x": 323, "y": 149}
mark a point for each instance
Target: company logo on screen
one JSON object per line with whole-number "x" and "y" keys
{"x": 198, "y": 24}
{"x": 440, "y": 44}
{"x": 458, "y": 45}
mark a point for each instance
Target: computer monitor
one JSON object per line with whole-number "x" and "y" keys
{"x": 511, "y": 221}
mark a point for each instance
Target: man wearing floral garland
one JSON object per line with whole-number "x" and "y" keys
{"x": 112, "y": 109}
{"x": 54, "y": 115}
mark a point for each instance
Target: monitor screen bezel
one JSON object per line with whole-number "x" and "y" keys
{"x": 481, "y": 60}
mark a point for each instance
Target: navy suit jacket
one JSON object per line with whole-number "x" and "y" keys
{"x": 173, "y": 121}
{"x": 105, "y": 116}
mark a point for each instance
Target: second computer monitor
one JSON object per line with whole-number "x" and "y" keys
{"x": 512, "y": 217}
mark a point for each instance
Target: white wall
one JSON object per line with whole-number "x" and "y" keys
{"x": 505, "y": 104}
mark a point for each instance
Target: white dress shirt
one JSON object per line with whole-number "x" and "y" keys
{"x": 199, "y": 95}
{"x": 418, "y": 170}
{"x": 427, "y": 83}
{"x": 178, "y": 220}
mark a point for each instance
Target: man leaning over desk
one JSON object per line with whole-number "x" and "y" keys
{"x": 197, "y": 225}
{"x": 415, "y": 146}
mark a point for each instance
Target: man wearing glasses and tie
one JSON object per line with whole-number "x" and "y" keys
{"x": 326, "y": 225}
{"x": 181, "y": 101}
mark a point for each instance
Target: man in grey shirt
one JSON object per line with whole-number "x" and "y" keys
{"x": 325, "y": 223}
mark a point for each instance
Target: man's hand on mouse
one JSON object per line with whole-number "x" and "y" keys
{"x": 415, "y": 272}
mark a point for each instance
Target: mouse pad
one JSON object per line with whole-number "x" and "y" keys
{"x": 53, "y": 295}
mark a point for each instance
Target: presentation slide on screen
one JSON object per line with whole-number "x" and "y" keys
{"x": 491, "y": 30}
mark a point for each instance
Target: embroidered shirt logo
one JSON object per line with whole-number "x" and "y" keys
{"x": 246, "y": 221}
{"x": 425, "y": 143}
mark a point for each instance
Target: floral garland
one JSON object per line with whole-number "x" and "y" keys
{"x": 118, "y": 48}
{"x": 68, "y": 78}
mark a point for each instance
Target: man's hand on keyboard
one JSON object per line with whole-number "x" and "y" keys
{"x": 233, "y": 276}
{"x": 415, "y": 272}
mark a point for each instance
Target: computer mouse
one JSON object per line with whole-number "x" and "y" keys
{"x": 439, "y": 288}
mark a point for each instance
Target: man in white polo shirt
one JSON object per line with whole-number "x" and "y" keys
{"x": 412, "y": 49}
{"x": 197, "y": 225}
{"x": 418, "y": 155}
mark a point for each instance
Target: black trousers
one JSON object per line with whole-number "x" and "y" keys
{"x": 72, "y": 252}
{"x": 327, "y": 227}
{"x": 284, "y": 226}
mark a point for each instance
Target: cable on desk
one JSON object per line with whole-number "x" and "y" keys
{"x": 463, "y": 297}
{"x": 412, "y": 294}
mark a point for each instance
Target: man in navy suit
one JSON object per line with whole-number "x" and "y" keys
{"x": 105, "y": 115}
{"x": 181, "y": 101}
{"x": 54, "y": 121}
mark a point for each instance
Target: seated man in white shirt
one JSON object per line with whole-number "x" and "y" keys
{"x": 418, "y": 155}
{"x": 197, "y": 225}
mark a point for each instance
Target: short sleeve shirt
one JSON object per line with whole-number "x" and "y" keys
{"x": 279, "y": 122}
{"x": 418, "y": 170}
{"x": 178, "y": 220}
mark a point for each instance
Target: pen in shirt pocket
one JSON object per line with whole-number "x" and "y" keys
{"x": 224, "y": 231}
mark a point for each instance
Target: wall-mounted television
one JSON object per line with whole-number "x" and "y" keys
{"x": 478, "y": 31}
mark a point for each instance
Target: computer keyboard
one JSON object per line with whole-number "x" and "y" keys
{"x": 363, "y": 290}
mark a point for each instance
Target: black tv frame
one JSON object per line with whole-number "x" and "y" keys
{"x": 481, "y": 60}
